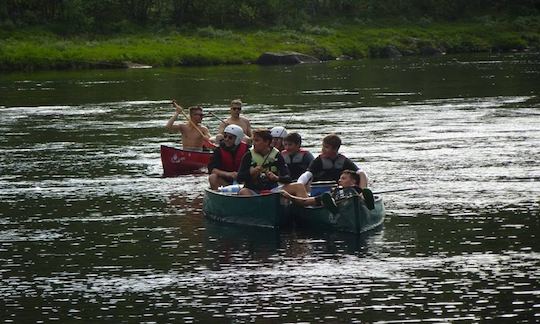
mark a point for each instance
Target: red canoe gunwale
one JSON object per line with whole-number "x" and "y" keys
{"x": 178, "y": 161}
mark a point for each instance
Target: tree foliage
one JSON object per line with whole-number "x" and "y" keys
{"x": 108, "y": 16}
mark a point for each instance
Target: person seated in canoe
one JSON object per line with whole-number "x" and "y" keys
{"x": 348, "y": 186}
{"x": 330, "y": 163}
{"x": 296, "y": 158}
{"x": 194, "y": 135}
{"x": 223, "y": 168}
{"x": 235, "y": 119}
{"x": 263, "y": 168}
{"x": 278, "y": 134}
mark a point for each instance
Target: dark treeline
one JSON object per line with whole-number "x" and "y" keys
{"x": 106, "y": 16}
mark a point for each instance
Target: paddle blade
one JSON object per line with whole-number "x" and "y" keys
{"x": 329, "y": 203}
{"x": 368, "y": 198}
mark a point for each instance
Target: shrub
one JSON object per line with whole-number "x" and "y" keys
{"x": 523, "y": 23}
{"x": 507, "y": 42}
{"x": 425, "y": 22}
{"x": 210, "y": 32}
{"x": 316, "y": 30}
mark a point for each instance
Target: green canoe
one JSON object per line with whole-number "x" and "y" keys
{"x": 269, "y": 210}
{"x": 353, "y": 216}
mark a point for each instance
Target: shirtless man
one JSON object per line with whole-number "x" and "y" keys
{"x": 236, "y": 119}
{"x": 192, "y": 131}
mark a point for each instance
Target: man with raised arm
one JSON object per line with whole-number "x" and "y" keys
{"x": 194, "y": 135}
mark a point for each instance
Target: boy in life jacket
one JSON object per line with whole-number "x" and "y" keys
{"x": 278, "y": 134}
{"x": 263, "y": 168}
{"x": 348, "y": 186}
{"x": 296, "y": 158}
{"x": 330, "y": 163}
{"x": 223, "y": 167}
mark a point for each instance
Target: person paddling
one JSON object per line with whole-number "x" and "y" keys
{"x": 223, "y": 167}
{"x": 194, "y": 135}
{"x": 235, "y": 119}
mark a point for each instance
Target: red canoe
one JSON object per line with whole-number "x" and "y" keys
{"x": 178, "y": 161}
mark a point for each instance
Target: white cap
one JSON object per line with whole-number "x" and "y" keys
{"x": 236, "y": 131}
{"x": 278, "y": 131}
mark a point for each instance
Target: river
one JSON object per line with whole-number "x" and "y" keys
{"x": 90, "y": 231}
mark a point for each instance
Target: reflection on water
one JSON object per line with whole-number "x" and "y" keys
{"x": 91, "y": 231}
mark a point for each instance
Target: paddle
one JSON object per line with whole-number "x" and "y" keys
{"x": 206, "y": 141}
{"x": 394, "y": 190}
{"x": 218, "y": 118}
{"x": 370, "y": 200}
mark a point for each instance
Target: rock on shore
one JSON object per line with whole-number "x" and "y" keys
{"x": 285, "y": 58}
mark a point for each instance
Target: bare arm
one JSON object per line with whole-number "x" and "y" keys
{"x": 205, "y": 131}
{"x": 170, "y": 123}
{"x": 248, "y": 129}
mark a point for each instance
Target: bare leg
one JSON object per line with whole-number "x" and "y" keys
{"x": 245, "y": 192}
{"x": 296, "y": 189}
{"x": 216, "y": 181}
{"x": 302, "y": 200}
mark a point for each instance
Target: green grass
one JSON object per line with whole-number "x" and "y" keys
{"x": 38, "y": 49}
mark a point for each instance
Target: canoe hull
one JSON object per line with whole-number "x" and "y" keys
{"x": 270, "y": 210}
{"x": 177, "y": 161}
{"x": 353, "y": 216}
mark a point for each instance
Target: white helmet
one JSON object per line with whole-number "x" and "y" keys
{"x": 278, "y": 131}
{"x": 236, "y": 131}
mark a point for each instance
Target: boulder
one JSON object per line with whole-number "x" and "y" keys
{"x": 286, "y": 58}
{"x": 132, "y": 65}
{"x": 344, "y": 58}
{"x": 431, "y": 51}
{"x": 390, "y": 52}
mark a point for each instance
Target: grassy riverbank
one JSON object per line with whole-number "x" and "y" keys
{"x": 39, "y": 49}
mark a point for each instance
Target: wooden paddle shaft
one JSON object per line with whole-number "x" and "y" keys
{"x": 189, "y": 119}
{"x": 221, "y": 120}
{"x": 394, "y": 190}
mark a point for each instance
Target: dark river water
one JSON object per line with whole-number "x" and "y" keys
{"x": 91, "y": 232}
